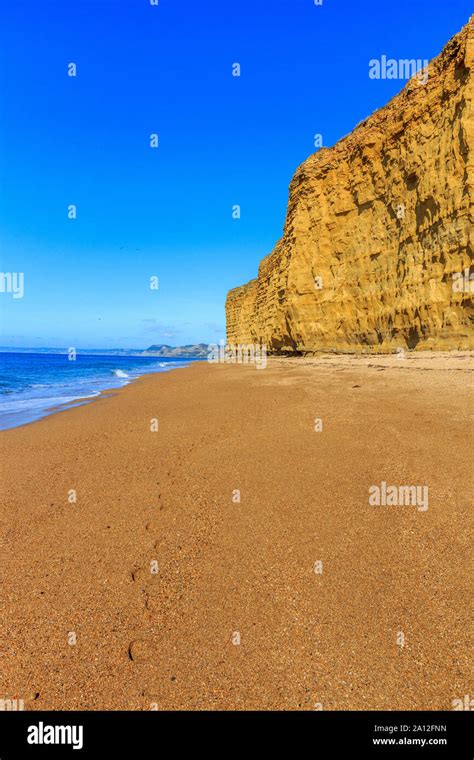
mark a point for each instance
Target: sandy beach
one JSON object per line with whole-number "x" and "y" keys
{"x": 231, "y": 559}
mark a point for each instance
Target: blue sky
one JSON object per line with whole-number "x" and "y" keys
{"x": 223, "y": 140}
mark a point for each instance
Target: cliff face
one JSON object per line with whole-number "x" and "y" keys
{"x": 378, "y": 230}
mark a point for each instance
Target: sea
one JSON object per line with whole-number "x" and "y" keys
{"x": 33, "y": 385}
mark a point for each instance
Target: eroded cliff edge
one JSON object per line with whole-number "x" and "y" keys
{"x": 376, "y": 228}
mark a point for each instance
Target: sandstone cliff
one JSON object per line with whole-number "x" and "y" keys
{"x": 378, "y": 230}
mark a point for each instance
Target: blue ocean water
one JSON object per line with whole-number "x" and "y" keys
{"x": 32, "y": 384}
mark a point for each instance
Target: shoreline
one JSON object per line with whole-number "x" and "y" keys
{"x": 323, "y": 356}
{"x": 237, "y": 614}
{"x": 29, "y": 416}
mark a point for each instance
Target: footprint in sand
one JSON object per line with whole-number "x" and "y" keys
{"x": 145, "y": 574}
{"x": 141, "y": 651}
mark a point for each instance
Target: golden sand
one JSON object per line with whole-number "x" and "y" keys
{"x": 158, "y": 588}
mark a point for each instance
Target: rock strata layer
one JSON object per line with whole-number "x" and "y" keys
{"x": 378, "y": 239}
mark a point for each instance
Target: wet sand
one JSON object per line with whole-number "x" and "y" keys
{"x": 299, "y": 596}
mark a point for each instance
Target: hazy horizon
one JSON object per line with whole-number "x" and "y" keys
{"x": 81, "y": 349}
